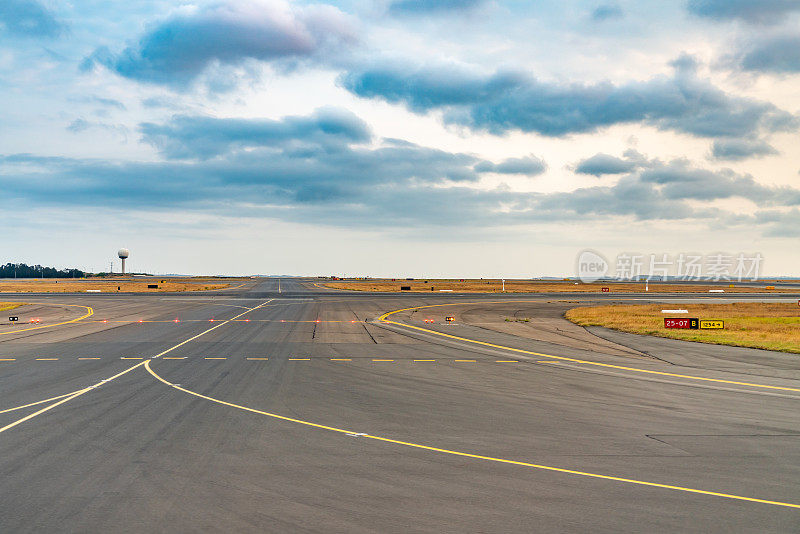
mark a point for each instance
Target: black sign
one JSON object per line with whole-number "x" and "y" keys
{"x": 13, "y": 319}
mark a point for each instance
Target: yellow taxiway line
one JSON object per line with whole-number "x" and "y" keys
{"x": 383, "y": 318}
{"x": 470, "y": 455}
{"x": 89, "y": 312}
{"x": 69, "y": 396}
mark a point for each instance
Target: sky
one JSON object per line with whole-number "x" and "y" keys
{"x": 463, "y": 138}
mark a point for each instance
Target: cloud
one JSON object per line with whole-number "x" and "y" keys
{"x": 779, "y": 54}
{"x": 513, "y": 101}
{"x": 741, "y": 149}
{"x": 779, "y": 223}
{"x": 187, "y": 137}
{"x": 605, "y": 12}
{"x": 750, "y": 11}
{"x": 432, "y": 6}
{"x": 100, "y": 101}
{"x": 653, "y": 189}
{"x": 78, "y": 126}
{"x": 177, "y": 51}
{"x": 351, "y": 187}
{"x": 81, "y": 125}
{"x": 108, "y": 102}
{"x": 601, "y": 164}
{"x": 28, "y": 18}
{"x": 298, "y": 169}
{"x": 530, "y": 166}
{"x": 679, "y": 180}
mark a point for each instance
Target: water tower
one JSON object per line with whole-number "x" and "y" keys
{"x": 123, "y": 255}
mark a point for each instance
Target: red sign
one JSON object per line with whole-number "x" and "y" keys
{"x": 606, "y": 289}
{"x": 681, "y": 322}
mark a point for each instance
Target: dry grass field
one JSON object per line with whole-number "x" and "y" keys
{"x": 110, "y": 285}
{"x": 756, "y": 325}
{"x": 6, "y": 306}
{"x": 530, "y": 286}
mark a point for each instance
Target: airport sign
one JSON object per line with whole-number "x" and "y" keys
{"x": 13, "y": 319}
{"x": 681, "y": 322}
{"x": 707, "y": 324}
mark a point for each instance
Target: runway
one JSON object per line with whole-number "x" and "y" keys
{"x": 285, "y": 407}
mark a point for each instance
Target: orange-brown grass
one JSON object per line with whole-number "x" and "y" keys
{"x": 774, "y": 326}
{"x": 530, "y": 286}
{"x": 109, "y": 286}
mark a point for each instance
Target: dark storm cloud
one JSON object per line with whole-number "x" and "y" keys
{"x": 511, "y": 101}
{"x": 431, "y": 6}
{"x": 28, "y": 18}
{"x": 180, "y": 49}
{"x": 741, "y": 149}
{"x": 751, "y": 11}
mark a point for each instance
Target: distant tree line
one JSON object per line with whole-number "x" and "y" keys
{"x": 20, "y": 270}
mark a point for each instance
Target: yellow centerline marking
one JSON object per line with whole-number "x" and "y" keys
{"x": 341, "y": 359}
{"x": 384, "y": 319}
{"x": 424, "y": 360}
{"x": 89, "y": 312}
{"x": 260, "y": 359}
{"x": 46, "y": 359}
{"x": 93, "y": 358}
{"x": 39, "y": 402}
{"x": 475, "y": 456}
{"x": 211, "y": 320}
{"x": 204, "y": 332}
{"x": 7, "y": 359}
{"x": 70, "y": 396}
{"x": 228, "y": 288}
{"x": 215, "y": 358}
{"x": 506, "y": 361}
{"x": 299, "y": 359}
{"x": 381, "y": 360}
{"x": 466, "y": 361}
{"x": 67, "y": 398}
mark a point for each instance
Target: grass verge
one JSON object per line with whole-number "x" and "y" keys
{"x": 108, "y": 286}
{"x": 6, "y": 306}
{"x": 772, "y": 326}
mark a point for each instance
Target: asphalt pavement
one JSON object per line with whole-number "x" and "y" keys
{"x": 285, "y": 407}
